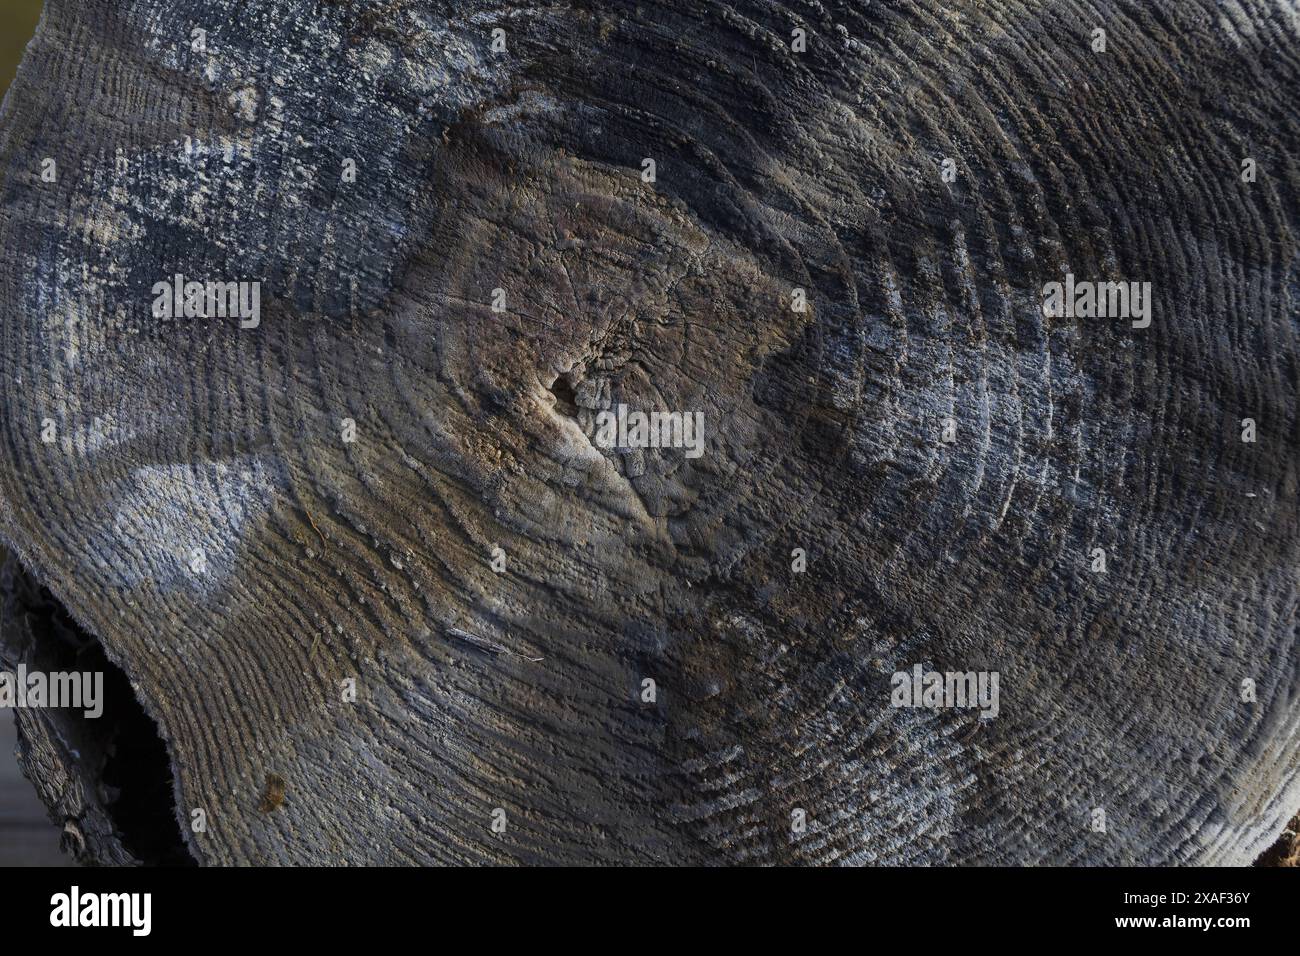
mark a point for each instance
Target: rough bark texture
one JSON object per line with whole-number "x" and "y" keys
{"x": 1286, "y": 851}
{"x": 521, "y": 170}
{"x": 105, "y": 781}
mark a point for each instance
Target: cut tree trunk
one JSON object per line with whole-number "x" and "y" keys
{"x": 393, "y": 483}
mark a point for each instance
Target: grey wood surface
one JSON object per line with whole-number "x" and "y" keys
{"x": 200, "y": 506}
{"x": 27, "y": 837}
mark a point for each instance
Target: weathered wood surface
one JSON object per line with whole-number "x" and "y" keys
{"x": 26, "y": 835}
{"x": 327, "y": 560}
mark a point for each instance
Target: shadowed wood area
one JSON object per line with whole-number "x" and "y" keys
{"x": 26, "y": 836}
{"x": 387, "y": 480}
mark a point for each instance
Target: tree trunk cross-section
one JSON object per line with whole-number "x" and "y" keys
{"x": 391, "y": 485}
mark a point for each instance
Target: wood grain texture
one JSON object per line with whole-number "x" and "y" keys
{"x": 27, "y": 837}
{"x": 328, "y": 560}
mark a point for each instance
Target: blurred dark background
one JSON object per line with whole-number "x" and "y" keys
{"x": 17, "y": 24}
